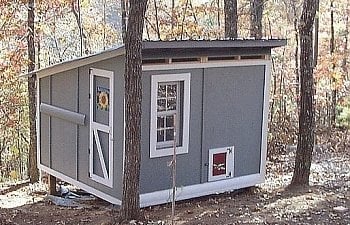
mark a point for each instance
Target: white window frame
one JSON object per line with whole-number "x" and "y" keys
{"x": 165, "y": 78}
{"x": 230, "y": 156}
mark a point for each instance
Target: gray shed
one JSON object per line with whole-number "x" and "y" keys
{"x": 218, "y": 90}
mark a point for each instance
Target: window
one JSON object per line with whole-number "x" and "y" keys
{"x": 221, "y": 163}
{"x": 168, "y": 102}
{"x": 170, "y": 107}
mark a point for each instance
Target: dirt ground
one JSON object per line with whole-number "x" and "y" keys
{"x": 326, "y": 201}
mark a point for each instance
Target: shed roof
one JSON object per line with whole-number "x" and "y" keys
{"x": 168, "y": 47}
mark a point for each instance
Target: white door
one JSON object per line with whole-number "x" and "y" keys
{"x": 101, "y": 127}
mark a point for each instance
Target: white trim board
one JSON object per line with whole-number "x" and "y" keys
{"x": 79, "y": 62}
{"x": 175, "y": 66}
{"x": 37, "y": 121}
{"x": 264, "y": 127}
{"x": 164, "y": 196}
{"x": 81, "y": 185}
{"x": 197, "y": 190}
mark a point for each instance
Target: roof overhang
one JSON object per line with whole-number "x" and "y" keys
{"x": 151, "y": 48}
{"x": 77, "y": 62}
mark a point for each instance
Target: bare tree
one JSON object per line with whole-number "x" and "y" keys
{"x": 296, "y": 51}
{"x": 124, "y": 18}
{"x": 33, "y": 170}
{"x": 256, "y": 13}
{"x": 345, "y": 46}
{"x": 133, "y": 97}
{"x": 156, "y": 15}
{"x": 333, "y": 80}
{"x": 77, "y": 13}
{"x": 231, "y": 18}
{"x": 317, "y": 23}
{"x": 307, "y": 112}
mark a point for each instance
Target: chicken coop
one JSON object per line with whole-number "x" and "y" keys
{"x": 215, "y": 93}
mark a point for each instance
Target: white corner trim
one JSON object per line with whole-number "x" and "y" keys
{"x": 264, "y": 130}
{"x": 196, "y": 65}
{"x": 193, "y": 191}
{"x": 37, "y": 121}
{"x": 81, "y": 185}
{"x": 155, "y": 79}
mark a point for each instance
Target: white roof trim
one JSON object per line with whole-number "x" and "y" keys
{"x": 75, "y": 63}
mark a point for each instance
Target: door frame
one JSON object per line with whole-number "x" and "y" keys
{"x": 107, "y": 178}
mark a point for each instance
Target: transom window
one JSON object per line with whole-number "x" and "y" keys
{"x": 170, "y": 105}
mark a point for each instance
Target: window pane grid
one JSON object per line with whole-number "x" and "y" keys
{"x": 167, "y": 102}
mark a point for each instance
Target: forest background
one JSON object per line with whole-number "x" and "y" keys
{"x": 66, "y": 29}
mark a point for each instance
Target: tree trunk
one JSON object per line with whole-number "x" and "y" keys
{"x": 172, "y": 17}
{"x": 256, "y": 13}
{"x": 218, "y": 13}
{"x": 333, "y": 80}
{"x": 33, "y": 169}
{"x": 306, "y": 114}
{"x": 296, "y": 53}
{"x": 345, "y": 46}
{"x": 183, "y": 20}
{"x": 124, "y": 9}
{"x": 133, "y": 97}
{"x": 231, "y": 18}
{"x": 156, "y": 15}
{"x": 77, "y": 14}
{"x": 317, "y": 21}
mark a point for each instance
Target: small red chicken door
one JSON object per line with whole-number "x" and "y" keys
{"x": 221, "y": 163}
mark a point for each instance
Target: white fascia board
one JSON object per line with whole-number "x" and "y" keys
{"x": 75, "y": 63}
{"x": 218, "y": 64}
{"x": 197, "y": 190}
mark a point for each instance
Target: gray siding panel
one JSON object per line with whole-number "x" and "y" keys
{"x": 64, "y": 89}
{"x": 83, "y": 135}
{"x": 44, "y": 85}
{"x": 117, "y": 66}
{"x": 233, "y": 107}
{"x": 63, "y": 147}
{"x": 63, "y": 133}
{"x": 155, "y": 173}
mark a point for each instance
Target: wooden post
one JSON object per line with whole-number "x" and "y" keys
{"x": 52, "y": 185}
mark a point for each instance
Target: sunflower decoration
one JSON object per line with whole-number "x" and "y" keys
{"x": 103, "y": 99}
